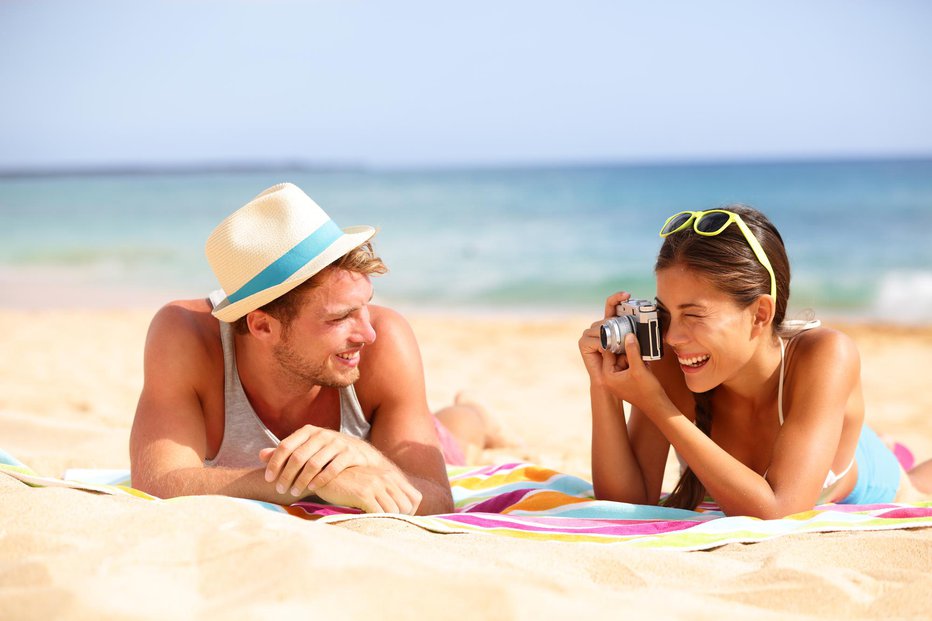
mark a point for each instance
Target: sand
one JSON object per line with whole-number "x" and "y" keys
{"x": 69, "y": 380}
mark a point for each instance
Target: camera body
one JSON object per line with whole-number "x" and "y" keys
{"x": 638, "y": 317}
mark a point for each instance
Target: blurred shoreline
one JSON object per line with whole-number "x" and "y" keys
{"x": 525, "y": 241}
{"x": 64, "y": 296}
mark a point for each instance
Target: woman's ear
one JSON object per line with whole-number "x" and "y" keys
{"x": 764, "y": 311}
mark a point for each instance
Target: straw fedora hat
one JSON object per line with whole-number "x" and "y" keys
{"x": 271, "y": 245}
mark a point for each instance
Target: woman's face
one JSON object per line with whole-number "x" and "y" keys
{"x": 709, "y": 334}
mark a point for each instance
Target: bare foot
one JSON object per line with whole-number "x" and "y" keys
{"x": 921, "y": 478}
{"x": 495, "y": 434}
{"x": 900, "y": 451}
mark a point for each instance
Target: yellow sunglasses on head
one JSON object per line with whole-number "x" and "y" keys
{"x": 712, "y": 222}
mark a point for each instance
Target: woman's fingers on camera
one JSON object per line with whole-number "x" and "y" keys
{"x": 632, "y": 349}
{"x": 589, "y": 341}
{"x": 613, "y": 301}
{"x": 612, "y": 363}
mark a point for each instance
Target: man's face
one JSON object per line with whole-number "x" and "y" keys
{"x": 322, "y": 345}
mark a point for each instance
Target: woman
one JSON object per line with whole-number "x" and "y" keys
{"x": 766, "y": 416}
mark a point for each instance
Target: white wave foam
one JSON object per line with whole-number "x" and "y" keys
{"x": 904, "y": 297}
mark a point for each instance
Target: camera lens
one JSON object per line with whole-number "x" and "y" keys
{"x": 612, "y": 333}
{"x": 604, "y": 336}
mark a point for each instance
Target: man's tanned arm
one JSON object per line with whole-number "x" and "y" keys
{"x": 392, "y": 384}
{"x": 168, "y": 442}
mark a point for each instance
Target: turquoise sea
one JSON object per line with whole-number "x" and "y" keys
{"x": 528, "y": 240}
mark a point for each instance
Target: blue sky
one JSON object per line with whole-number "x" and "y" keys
{"x": 399, "y": 84}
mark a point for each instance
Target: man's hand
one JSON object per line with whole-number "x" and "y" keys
{"x": 372, "y": 489}
{"x": 311, "y": 457}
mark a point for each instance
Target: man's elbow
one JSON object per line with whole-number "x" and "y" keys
{"x": 158, "y": 483}
{"x": 442, "y": 502}
{"x": 153, "y": 485}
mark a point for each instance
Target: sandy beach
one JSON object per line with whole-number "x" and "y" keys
{"x": 69, "y": 380}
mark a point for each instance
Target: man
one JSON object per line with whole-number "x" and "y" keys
{"x": 289, "y": 352}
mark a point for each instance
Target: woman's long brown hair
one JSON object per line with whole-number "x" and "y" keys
{"x": 728, "y": 262}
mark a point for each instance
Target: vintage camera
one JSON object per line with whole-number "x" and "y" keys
{"x": 638, "y": 317}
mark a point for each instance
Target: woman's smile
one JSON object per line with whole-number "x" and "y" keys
{"x": 691, "y": 363}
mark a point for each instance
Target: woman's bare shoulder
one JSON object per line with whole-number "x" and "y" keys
{"x": 822, "y": 353}
{"x": 825, "y": 342}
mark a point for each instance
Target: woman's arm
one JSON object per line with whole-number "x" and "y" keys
{"x": 616, "y": 473}
{"x": 628, "y": 459}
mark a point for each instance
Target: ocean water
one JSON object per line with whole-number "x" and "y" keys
{"x": 534, "y": 240}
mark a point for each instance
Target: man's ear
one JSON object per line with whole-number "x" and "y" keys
{"x": 764, "y": 312}
{"x": 262, "y": 325}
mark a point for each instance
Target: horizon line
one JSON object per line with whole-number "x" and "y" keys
{"x": 298, "y": 166}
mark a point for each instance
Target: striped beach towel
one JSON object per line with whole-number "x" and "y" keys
{"x": 531, "y": 502}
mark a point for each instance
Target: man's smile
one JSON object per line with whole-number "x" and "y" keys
{"x": 350, "y": 358}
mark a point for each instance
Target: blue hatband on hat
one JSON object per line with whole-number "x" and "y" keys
{"x": 285, "y": 266}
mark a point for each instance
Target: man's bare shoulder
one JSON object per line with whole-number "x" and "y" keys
{"x": 393, "y": 358}
{"x": 388, "y": 320}
{"x": 184, "y": 326}
{"x": 395, "y": 341}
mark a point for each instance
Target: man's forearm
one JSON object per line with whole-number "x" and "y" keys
{"x": 251, "y": 483}
{"x": 238, "y": 482}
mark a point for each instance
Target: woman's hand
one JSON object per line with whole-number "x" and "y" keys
{"x": 590, "y": 347}
{"x": 629, "y": 378}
